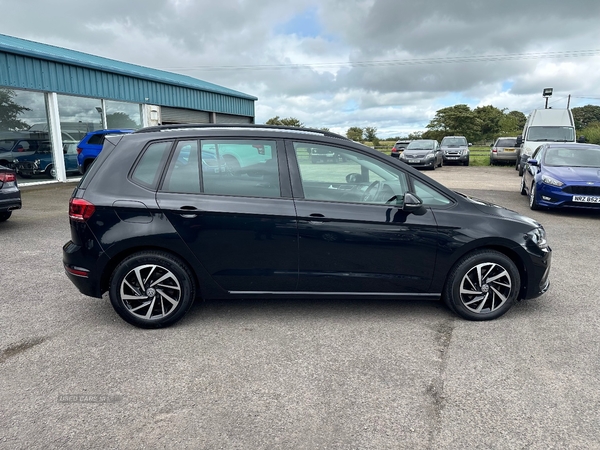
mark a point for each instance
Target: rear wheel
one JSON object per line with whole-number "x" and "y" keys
{"x": 521, "y": 169}
{"x": 4, "y": 216}
{"x": 51, "y": 171}
{"x": 151, "y": 289}
{"x": 483, "y": 285}
{"x": 523, "y": 190}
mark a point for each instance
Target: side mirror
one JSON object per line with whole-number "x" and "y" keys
{"x": 413, "y": 204}
{"x": 491, "y": 145}
{"x": 354, "y": 178}
{"x": 533, "y": 162}
{"x": 519, "y": 141}
{"x": 470, "y": 144}
{"x": 581, "y": 139}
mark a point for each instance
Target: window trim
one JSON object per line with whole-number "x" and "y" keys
{"x": 161, "y": 169}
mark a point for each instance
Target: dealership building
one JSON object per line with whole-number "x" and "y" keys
{"x": 57, "y": 95}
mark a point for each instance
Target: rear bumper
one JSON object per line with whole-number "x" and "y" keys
{"x": 503, "y": 157}
{"x": 84, "y": 267}
{"x": 10, "y": 200}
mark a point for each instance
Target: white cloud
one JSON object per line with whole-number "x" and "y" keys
{"x": 334, "y": 90}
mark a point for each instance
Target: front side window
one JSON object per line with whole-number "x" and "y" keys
{"x": 428, "y": 195}
{"x": 343, "y": 175}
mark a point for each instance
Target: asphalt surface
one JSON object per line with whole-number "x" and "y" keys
{"x": 299, "y": 374}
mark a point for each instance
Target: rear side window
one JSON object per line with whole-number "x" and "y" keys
{"x": 148, "y": 169}
{"x": 96, "y": 139}
{"x": 183, "y": 175}
{"x": 244, "y": 168}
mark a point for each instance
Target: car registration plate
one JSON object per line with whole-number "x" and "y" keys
{"x": 413, "y": 161}
{"x": 586, "y": 199}
{"x": 509, "y": 149}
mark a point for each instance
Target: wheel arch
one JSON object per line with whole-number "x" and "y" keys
{"x": 115, "y": 260}
{"x": 509, "y": 252}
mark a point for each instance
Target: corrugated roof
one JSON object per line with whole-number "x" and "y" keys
{"x": 11, "y": 44}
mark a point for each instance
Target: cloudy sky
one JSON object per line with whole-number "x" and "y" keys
{"x": 389, "y": 64}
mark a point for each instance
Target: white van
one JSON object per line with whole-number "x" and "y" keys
{"x": 544, "y": 125}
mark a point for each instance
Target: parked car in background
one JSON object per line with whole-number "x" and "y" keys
{"x": 41, "y": 162}
{"x": 399, "y": 147}
{"x": 564, "y": 175}
{"x": 544, "y": 125}
{"x": 455, "y": 149}
{"x": 10, "y": 195}
{"x": 503, "y": 150}
{"x": 156, "y": 231}
{"x": 17, "y": 144}
{"x": 424, "y": 153}
{"x": 91, "y": 145}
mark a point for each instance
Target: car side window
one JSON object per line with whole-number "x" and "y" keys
{"x": 96, "y": 139}
{"x": 245, "y": 168}
{"x": 183, "y": 174}
{"x": 148, "y": 168}
{"x": 344, "y": 175}
{"x": 428, "y": 195}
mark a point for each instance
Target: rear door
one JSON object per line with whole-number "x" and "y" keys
{"x": 241, "y": 222}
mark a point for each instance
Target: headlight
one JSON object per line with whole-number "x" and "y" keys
{"x": 15, "y": 161}
{"x": 37, "y": 163}
{"x": 538, "y": 237}
{"x": 401, "y": 156}
{"x": 552, "y": 181}
{"x": 429, "y": 155}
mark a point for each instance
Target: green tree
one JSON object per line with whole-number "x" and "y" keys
{"x": 120, "y": 120}
{"x": 585, "y": 115}
{"x": 512, "y": 123}
{"x": 415, "y": 135}
{"x": 355, "y": 133}
{"x": 456, "y": 120}
{"x": 288, "y": 122}
{"x": 10, "y": 111}
{"x": 489, "y": 118}
{"x": 370, "y": 134}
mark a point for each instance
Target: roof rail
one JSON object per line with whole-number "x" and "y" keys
{"x": 192, "y": 126}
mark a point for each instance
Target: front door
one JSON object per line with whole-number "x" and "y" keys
{"x": 354, "y": 236}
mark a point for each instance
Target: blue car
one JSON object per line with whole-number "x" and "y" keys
{"x": 89, "y": 147}
{"x": 563, "y": 175}
{"x": 41, "y": 161}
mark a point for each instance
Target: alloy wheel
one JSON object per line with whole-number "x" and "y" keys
{"x": 485, "y": 288}
{"x": 150, "y": 292}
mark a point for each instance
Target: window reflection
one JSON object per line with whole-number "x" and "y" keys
{"x": 123, "y": 115}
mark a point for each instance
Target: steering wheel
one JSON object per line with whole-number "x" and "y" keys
{"x": 372, "y": 192}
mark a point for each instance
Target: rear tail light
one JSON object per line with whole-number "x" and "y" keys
{"x": 7, "y": 177}
{"x": 78, "y": 150}
{"x": 394, "y": 150}
{"x": 494, "y": 150}
{"x": 80, "y": 210}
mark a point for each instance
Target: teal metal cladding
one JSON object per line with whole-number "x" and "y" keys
{"x": 29, "y": 68}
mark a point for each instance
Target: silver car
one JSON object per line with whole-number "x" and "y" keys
{"x": 503, "y": 150}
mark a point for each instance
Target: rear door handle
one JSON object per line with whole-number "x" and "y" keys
{"x": 316, "y": 216}
{"x": 184, "y": 212}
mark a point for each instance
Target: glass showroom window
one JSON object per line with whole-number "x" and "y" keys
{"x": 123, "y": 115}
{"x": 78, "y": 116}
{"x": 24, "y": 139}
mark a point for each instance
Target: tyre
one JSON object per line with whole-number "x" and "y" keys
{"x": 466, "y": 163}
{"x": 533, "y": 203}
{"x": 523, "y": 190}
{"x": 51, "y": 171}
{"x": 4, "y": 216}
{"x": 482, "y": 285}
{"x": 151, "y": 289}
{"x": 521, "y": 169}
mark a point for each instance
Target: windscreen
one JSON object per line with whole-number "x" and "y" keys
{"x": 551, "y": 134}
{"x": 454, "y": 141}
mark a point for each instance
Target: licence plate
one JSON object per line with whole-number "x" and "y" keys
{"x": 509, "y": 149}
{"x": 414, "y": 161}
{"x": 586, "y": 199}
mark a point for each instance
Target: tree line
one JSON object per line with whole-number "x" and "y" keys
{"x": 481, "y": 124}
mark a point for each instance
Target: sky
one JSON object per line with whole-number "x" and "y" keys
{"x": 388, "y": 64}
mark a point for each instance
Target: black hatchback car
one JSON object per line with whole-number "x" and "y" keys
{"x": 157, "y": 226}
{"x": 10, "y": 195}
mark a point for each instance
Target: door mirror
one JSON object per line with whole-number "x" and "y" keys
{"x": 533, "y": 162}
{"x": 519, "y": 141}
{"x": 413, "y": 204}
{"x": 581, "y": 139}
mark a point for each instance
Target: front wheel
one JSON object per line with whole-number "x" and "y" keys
{"x": 466, "y": 163}
{"x": 51, "y": 172}
{"x": 533, "y": 203}
{"x": 151, "y": 289}
{"x": 483, "y": 285}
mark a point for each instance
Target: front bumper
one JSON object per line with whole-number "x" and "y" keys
{"x": 454, "y": 157}
{"x": 419, "y": 163}
{"x": 555, "y": 197}
{"x": 537, "y": 279}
